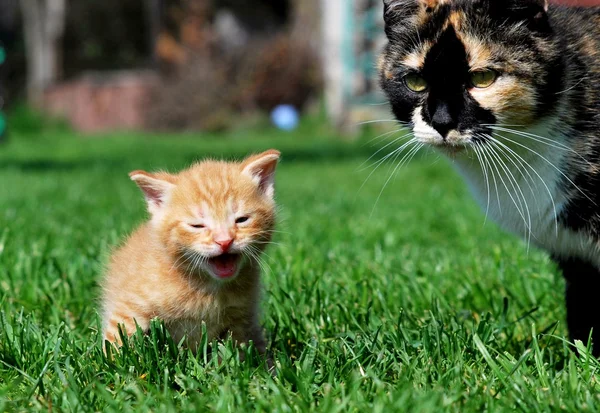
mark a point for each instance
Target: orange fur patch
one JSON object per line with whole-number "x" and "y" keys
{"x": 478, "y": 53}
{"x": 434, "y": 3}
{"x": 456, "y": 19}
{"x": 416, "y": 60}
{"x": 511, "y": 101}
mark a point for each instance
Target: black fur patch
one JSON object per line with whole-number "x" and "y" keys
{"x": 449, "y": 106}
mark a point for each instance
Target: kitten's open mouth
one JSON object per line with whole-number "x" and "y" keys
{"x": 225, "y": 265}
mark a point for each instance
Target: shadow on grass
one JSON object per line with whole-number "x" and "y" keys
{"x": 139, "y": 153}
{"x": 53, "y": 165}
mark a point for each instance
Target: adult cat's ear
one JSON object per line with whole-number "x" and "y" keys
{"x": 391, "y": 5}
{"x": 261, "y": 168}
{"x": 530, "y": 4}
{"x": 156, "y": 187}
{"x": 396, "y": 11}
{"x": 533, "y": 12}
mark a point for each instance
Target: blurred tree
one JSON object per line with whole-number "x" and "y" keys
{"x": 43, "y": 25}
{"x": 154, "y": 13}
{"x": 108, "y": 35}
{"x": 8, "y": 23}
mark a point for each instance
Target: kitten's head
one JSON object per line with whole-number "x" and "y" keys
{"x": 215, "y": 214}
{"x": 452, "y": 68}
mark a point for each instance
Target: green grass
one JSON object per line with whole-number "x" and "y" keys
{"x": 411, "y": 305}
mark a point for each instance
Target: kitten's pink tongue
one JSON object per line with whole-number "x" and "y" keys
{"x": 225, "y": 265}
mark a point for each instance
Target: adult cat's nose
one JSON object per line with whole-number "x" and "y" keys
{"x": 442, "y": 121}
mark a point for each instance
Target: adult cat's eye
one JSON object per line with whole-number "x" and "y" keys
{"x": 483, "y": 78}
{"x": 415, "y": 82}
{"x": 241, "y": 220}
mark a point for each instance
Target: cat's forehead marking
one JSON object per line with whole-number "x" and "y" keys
{"x": 446, "y": 61}
{"x": 431, "y": 5}
{"x": 455, "y": 19}
{"x": 416, "y": 59}
{"x": 478, "y": 53}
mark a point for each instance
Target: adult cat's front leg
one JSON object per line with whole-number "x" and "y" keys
{"x": 582, "y": 299}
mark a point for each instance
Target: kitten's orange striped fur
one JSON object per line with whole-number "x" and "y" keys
{"x": 197, "y": 258}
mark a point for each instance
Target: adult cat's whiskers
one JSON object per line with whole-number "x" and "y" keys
{"x": 388, "y": 156}
{"x": 516, "y": 182}
{"x": 509, "y": 156}
{"x": 528, "y": 165}
{"x": 541, "y": 139}
{"x": 382, "y": 149}
{"x": 502, "y": 149}
{"x": 382, "y": 136}
{"x": 377, "y": 164}
{"x": 486, "y": 177}
{"x": 495, "y": 160}
{"x": 549, "y": 163}
{"x": 491, "y": 170}
{"x": 573, "y": 87}
{"x": 408, "y": 156}
{"x": 367, "y": 122}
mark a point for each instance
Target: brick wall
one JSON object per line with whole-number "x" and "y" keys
{"x": 99, "y": 102}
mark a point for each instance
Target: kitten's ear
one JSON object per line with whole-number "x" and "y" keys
{"x": 261, "y": 168}
{"x": 156, "y": 187}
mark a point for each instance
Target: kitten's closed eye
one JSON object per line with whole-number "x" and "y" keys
{"x": 197, "y": 226}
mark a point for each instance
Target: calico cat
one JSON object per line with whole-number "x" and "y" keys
{"x": 198, "y": 257}
{"x": 510, "y": 89}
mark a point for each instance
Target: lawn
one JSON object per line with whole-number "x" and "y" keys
{"x": 411, "y": 303}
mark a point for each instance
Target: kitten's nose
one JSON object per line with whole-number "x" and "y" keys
{"x": 224, "y": 243}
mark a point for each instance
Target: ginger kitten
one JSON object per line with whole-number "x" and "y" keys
{"x": 197, "y": 258}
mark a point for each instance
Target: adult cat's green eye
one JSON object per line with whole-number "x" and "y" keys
{"x": 483, "y": 78}
{"x": 415, "y": 82}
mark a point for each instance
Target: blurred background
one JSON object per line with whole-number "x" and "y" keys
{"x": 181, "y": 65}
